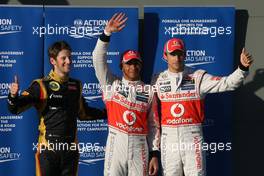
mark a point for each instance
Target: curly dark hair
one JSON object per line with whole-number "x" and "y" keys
{"x": 56, "y": 47}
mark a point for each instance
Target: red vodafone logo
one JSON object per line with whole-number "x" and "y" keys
{"x": 177, "y": 110}
{"x": 129, "y": 117}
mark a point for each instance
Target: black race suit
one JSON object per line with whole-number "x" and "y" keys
{"x": 59, "y": 103}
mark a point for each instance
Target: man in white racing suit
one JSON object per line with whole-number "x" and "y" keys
{"x": 131, "y": 109}
{"x": 181, "y": 92}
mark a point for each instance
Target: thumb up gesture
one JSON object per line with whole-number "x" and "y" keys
{"x": 14, "y": 87}
{"x": 245, "y": 58}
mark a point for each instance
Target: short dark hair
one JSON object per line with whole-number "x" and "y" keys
{"x": 56, "y": 47}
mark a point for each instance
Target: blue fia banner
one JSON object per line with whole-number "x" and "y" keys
{"x": 208, "y": 33}
{"x": 81, "y": 27}
{"x": 21, "y": 55}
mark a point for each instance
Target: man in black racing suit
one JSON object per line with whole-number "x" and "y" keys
{"x": 59, "y": 102}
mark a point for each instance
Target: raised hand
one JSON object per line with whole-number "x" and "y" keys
{"x": 14, "y": 87}
{"x": 116, "y": 23}
{"x": 245, "y": 58}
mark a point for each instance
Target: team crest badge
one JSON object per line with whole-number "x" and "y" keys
{"x": 54, "y": 86}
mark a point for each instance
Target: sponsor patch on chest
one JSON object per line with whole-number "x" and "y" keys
{"x": 72, "y": 86}
{"x": 165, "y": 89}
{"x": 142, "y": 96}
{"x": 55, "y": 86}
{"x": 188, "y": 83}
